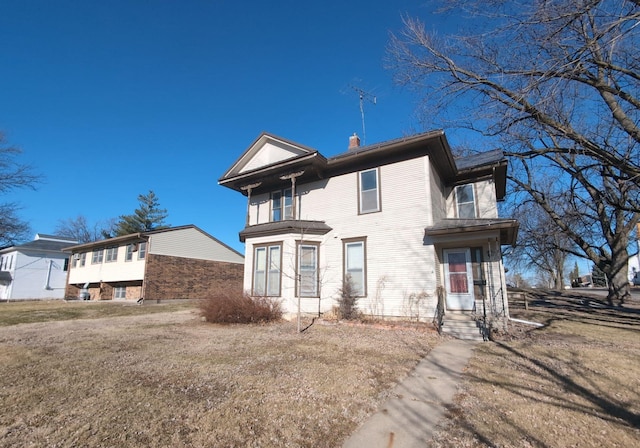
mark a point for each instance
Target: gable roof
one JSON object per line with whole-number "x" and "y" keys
{"x": 139, "y": 237}
{"x": 46, "y": 243}
{"x": 292, "y": 157}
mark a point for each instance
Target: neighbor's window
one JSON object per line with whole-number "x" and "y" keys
{"x": 66, "y": 265}
{"x": 369, "y": 194}
{"x": 142, "y": 250}
{"x": 128, "y": 255}
{"x": 112, "y": 254}
{"x": 281, "y": 205}
{"x": 96, "y": 256}
{"x": 120, "y": 292}
{"x": 266, "y": 270}
{"x": 83, "y": 259}
{"x": 465, "y": 200}
{"x": 355, "y": 265}
{"x": 308, "y": 270}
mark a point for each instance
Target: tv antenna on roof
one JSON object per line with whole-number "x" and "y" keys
{"x": 364, "y": 96}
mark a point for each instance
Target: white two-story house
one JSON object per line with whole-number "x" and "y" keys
{"x": 403, "y": 219}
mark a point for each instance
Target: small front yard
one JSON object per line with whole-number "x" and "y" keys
{"x": 109, "y": 374}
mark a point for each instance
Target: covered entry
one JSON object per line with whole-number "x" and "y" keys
{"x": 458, "y": 279}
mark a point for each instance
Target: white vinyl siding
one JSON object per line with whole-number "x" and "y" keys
{"x": 191, "y": 243}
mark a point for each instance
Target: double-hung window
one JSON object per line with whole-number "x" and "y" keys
{"x": 96, "y": 256}
{"x": 308, "y": 269}
{"x": 142, "y": 250}
{"x": 355, "y": 265}
{"x": 120, "y": 292}
{"x": 83, "y": 259}
{"x": 266, "y": 270}
{"x": 112, "y": 254}
{"x": 465, "y": 201}
{"x": 128, "y": 255}
{"x": 281, "y": 205}
{"x": 369, "y": 191}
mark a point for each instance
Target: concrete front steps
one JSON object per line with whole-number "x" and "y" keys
{"x": 462, "y": 326}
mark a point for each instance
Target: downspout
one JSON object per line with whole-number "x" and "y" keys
{"x": 47, "y": 283}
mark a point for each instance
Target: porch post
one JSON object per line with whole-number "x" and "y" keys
{"x": 248, "y": 189}
{"x": 293, "y": 176}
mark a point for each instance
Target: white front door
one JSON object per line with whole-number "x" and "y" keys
{"x": 459, "y": 279}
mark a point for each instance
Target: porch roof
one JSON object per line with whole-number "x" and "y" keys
{"x": 288, "y": 226}
{"x": 508, "y": 228}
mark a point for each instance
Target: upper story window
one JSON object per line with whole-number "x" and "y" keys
{"x": 96, "y": 256}
{"x": 83, "y": 259}
{"x": 465, "y": 201}
{"x": 368, "y": 191}
{"x": 142, "y": 250}
{"x": 281, "y": 205}
{"x": 112, "y": 254}
{"x": 130, "y": 249}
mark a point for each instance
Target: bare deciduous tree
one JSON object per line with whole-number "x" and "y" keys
{"x": 13, "y": 175}
{"x": 81, "y": 230}
{"x": 555, "y": 84}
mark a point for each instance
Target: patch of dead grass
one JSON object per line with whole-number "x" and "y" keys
{"x": 574, "y": 383}
{"x": 169, "y": 379}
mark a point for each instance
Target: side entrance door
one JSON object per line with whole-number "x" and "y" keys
{"x": 459, "y": 279}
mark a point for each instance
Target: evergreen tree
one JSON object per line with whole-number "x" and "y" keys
{"x": 148, "y": 216}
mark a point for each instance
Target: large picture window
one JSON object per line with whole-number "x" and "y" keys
{"x": 281, "y": 205}
{"x": 266, "y": 270}
{"x": 355, "y": 265}
{"x": 369, "y": 194}
{"x": 308, "y": 270}
{"x": 465, "y": 200}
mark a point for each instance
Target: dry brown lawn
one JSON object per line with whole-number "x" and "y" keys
{"x": 157, "y": 376}
{"x": 574, "y": 383}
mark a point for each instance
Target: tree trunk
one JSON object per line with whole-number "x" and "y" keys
{"x": 619, "y": 289}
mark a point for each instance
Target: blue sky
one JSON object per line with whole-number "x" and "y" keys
{"x": 109, "y": 100}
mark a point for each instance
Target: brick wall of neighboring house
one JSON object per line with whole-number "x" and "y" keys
{"x": 169, "y": 277}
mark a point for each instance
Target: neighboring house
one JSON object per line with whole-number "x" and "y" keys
{"x": 35, "y": 270}
{"x": 175, "y": 263}
{"x": 403, "y": 219}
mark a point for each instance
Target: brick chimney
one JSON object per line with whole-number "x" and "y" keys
{"x": 354, "y": 141}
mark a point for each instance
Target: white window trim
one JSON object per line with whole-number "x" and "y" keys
{"x": 345, "y": 244}
{"x": 270, "y": 266}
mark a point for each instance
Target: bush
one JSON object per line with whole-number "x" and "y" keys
{"x": 226, "y": 307}
{"x": 348, "y": 301}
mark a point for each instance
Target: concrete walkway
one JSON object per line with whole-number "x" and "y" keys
{"x": 409, "y": 417}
